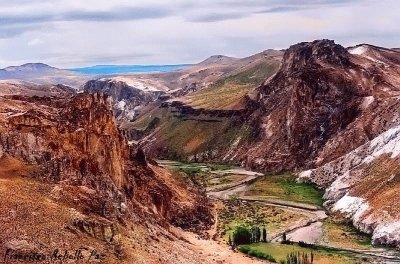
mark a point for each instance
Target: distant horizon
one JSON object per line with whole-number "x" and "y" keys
{"x": 87, "y": 66}
{"x": 71, "y": 34}
{"x": 127, "y": 68}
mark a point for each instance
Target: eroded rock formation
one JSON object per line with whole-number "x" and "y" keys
{"x": 75, "y": 146}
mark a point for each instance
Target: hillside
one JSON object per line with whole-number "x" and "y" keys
{"x": 15, "y": 87}
{"x": 327, "y": 108}
{"x": 63, "y": 158}
{"x": 43, "y": 74}
{"x": 228, "y": 76}
{"x": 188, "y": 127}
{"x": 292, "y": 108}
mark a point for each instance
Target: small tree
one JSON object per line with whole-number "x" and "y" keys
{"x": 258, "y": 234}
{"x": 264, "y": 234}
{"x": 299, "y": 258}
{"x": 230, "y": 242}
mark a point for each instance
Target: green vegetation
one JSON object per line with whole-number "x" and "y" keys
{"x": 299, "y": 258}
{"x": 246, "y": 249}
{"x": 244, "y": 234}
{"x": 254, "y": 75}
{"x": 280, "y": 252}
{"x": 215, "y": 167}
{"x": 194, "y": 138}
{"x": 227, "y": 92}
{"x": 236, "y": 212}
{"x": 201, "y": 173}
{"x": 285, "y": 187}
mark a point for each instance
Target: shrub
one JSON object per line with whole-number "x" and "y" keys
{"x": 306, "y": 245}
{"x": 241, "y": 235}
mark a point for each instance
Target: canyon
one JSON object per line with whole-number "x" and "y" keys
{"x": 324, "y": 103}
{"x": 322, "y": 112}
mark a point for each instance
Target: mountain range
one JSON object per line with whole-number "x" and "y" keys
{"x": 82, "y": 150}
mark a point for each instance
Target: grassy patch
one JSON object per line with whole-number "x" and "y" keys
{"x": 280, "y": 251}
{"x": 286, "y": 188}
{"x": 340, "y": 233}
{"x": 237, "y": 212}
{"x": 214, "y": 180}
{"x": 227, "y": 92}
{"x": 248, "y": 250}
{"x": 220, "y": 167}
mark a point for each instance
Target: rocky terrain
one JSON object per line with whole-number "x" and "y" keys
{"x": 323, "y": 102}
{"x": 328, "y": 108}
{"x": 132, "y": 93}
{"x": 68, "y": 154}
{"x": 306, "y": 114}
{"x": 16, "y": 87}
{"x": 319, "y": 109}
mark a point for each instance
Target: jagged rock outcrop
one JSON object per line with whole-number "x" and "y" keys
{"x": 75, "y": 146}
{"x": 128, "y": 97}
{"x": 78, "y": 143}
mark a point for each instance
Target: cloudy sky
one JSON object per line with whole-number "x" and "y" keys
{"x": 72, "y": 33}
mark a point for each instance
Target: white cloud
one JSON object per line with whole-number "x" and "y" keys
{"x": 71, "y": 33}
{"x": 35, "y": 42}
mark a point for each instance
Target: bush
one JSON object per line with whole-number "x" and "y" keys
{"x": 306, "y": 245}
{"x": 241, "y": 235}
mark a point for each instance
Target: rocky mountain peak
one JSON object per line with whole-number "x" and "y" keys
{"x": 306, "y": 54}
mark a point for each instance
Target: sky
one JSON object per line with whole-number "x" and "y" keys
{"x": 72, "y": 33}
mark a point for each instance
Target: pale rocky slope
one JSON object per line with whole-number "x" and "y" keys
{"x": 364, "y": 185}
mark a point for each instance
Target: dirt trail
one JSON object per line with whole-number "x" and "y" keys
{"x": 236, "y": 190}
{"x": 217, "y": 252}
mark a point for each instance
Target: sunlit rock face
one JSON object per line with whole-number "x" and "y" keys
{"x": 75, "y": 141}
{"x": 321, "y": 104}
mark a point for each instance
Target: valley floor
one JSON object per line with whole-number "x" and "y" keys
{"x": 283, "y": 206}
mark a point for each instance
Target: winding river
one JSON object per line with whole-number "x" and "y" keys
{"x": 310, "y": 231}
